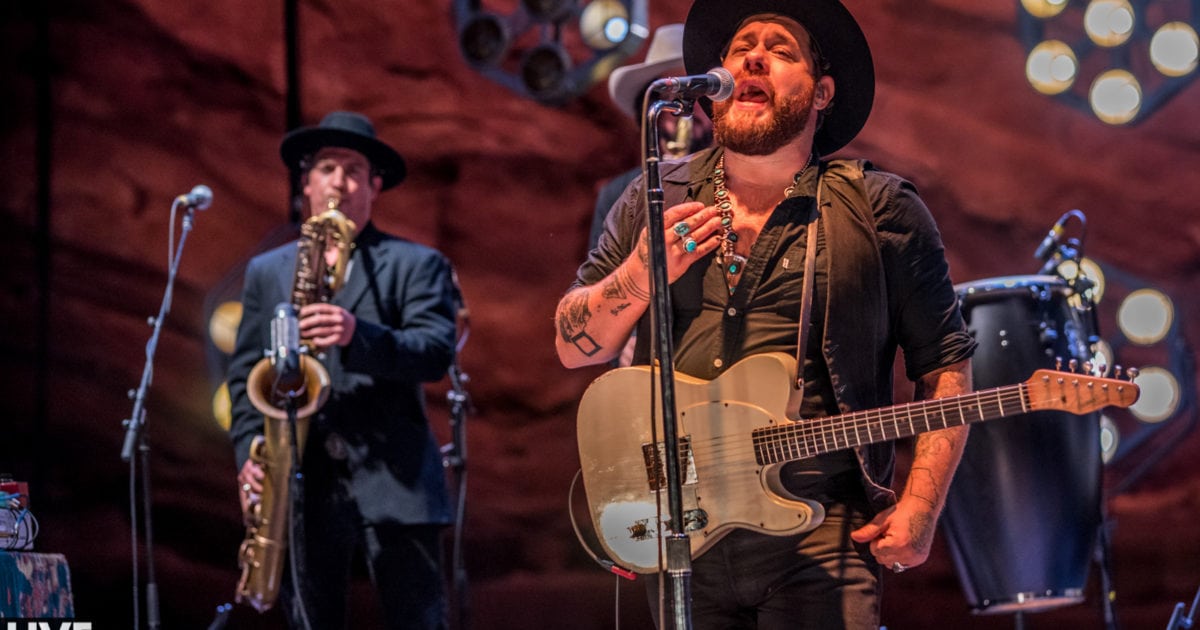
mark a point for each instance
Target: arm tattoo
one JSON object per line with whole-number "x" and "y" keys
{"x": 625, "y": 279}
{"x": 920, "y": 530}
{"x": 573, "y": 316}
{"x": 922, "y": 486}
{"x": 612, "y": 289}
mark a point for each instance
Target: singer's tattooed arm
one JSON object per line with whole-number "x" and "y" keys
{"x": 594, "y": 321}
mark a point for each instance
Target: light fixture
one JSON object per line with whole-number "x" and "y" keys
{"x": 1118, "y": 59}
{"x": 1142, "y": 330}
{"x": 550, "y": 50}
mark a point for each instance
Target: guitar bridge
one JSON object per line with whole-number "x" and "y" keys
{"x": 654, "y": 456}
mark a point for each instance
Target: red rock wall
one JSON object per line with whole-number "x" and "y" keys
{"x": 147, "y": 98}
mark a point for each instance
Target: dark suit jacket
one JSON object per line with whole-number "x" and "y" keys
{"x": 371, "y": 442}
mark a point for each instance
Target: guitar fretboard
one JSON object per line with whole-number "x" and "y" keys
{"x": 809, "y": 438}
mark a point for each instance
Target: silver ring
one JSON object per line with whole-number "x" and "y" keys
{"x": 246, "y": 488}
{"x": 898, "y": 568}
{"x": 689, "y": 244}
{"x": 682, "y": 229}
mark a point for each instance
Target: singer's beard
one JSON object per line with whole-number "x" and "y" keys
{"x": 789, "y": 116}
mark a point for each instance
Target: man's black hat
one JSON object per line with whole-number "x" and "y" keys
{"x": 711, "y": 24}
{"x": 348, "y": 130}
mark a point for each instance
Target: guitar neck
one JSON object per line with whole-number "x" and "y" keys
{"x": 782, "y": 443}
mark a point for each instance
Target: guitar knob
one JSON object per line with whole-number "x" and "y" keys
{"x": 1132, "y": 373}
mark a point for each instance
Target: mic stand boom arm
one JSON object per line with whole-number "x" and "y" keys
{"x": 678, "y": 547}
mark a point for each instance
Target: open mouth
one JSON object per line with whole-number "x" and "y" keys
{"x": 752, "y": 92}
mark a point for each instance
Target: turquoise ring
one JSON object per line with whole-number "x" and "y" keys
{"x": 689, "y": 245}
{"x": 682, "y": 229}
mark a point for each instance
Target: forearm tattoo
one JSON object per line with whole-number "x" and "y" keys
{"x": 573, "y": 316}
{"x": 920, "y": 531}
{"x": 624, "y": 279}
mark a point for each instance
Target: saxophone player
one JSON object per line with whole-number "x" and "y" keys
{"x": 372, "y": 471}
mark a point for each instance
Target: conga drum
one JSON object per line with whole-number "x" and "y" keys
{"x": 1023, "y": 512}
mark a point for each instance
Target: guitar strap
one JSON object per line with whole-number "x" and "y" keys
{"x": 810, "y": 267}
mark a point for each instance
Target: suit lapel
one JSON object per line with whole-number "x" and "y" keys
{"x": 365, "y": 266}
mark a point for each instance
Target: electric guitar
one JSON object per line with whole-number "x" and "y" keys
{"x": 734, "y": 437}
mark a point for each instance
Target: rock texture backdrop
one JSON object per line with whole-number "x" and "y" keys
{"x": 135, "y": 101}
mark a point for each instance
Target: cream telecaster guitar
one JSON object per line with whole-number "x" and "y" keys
{"x": 734, "y": 438}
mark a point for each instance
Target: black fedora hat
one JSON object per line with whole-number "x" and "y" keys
{"x": 348, "y": 130}
{"x": 712, "y": 23}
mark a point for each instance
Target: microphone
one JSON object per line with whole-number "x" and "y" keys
{"x": 717, "y": 85}
{"x": 1048, "y": 243}
{"x": 200, "y": 198}
{"x": 285, "y": 349}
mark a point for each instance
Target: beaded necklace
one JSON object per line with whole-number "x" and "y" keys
{"x": 732, "y": 263}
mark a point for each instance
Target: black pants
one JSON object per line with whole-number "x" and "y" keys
{"x": 819, "y": 580}
{"x": 404, "y": 563}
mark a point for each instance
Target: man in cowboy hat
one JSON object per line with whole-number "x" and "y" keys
{"x": 373, "y": 478}
{"x": 627, "y": 89}
{"x": 759, "y": 230}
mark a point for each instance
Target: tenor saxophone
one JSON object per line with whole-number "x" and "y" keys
{"x": 262, "y": 553}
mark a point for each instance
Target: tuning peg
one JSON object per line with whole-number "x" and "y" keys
{"x": 1058, "y": 363}
{"x": 1073, "y": 365}
{"x": 1132, "y": 373}
{"x": 1087, "y": 367}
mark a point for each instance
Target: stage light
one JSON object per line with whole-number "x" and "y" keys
{"x": 550, "y": 50}
{"x": 544, "y": 69}
{"x": 223, "y": 325}
{"x": 1093, "y": 290}
{"x": 1120, "y": 60}
{"x": 1115, "y": 97}
{"x": 1044, "y": 8}
{"x": 1145, "y": 316}
{"x": 604, "y": 24}
{"x": 1108, "y": 22}
{"x": 1110, "y": 438}
{"x": 1142, "y": 327}
{"x": 1174, "y": 49}
{"x": 1160, "y": 395}
{"x": 553, "y": 11}
{"x": 483, "y": 39}
{"x": 1051, "y": 67}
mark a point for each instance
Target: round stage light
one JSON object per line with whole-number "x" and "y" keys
{"x": 1051, "y": 67}
{"x": 1109, "y": 22}
{"x": 1174, "y": 49}
{"x": 1160, "y": 395}
{"x": 483, "y": 40}
{"x": 544, "y": 70}
{"x": 1110, "y": 438}
{"x": 222, "y": 407}
{"x": 1145, "y": 316}
{"x": 1044, "y": 8}
{"x": 223, "y": 325}
{"x": 1115, "y": 97}
{"x": 604, "y": 24}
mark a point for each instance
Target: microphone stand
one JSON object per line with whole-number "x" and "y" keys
{"x": 678, "y": 547}
{"x": 454, "y": 458}
{"x": 135, "y": 435}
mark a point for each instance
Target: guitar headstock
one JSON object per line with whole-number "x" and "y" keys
{"x": 1078, "y": 393}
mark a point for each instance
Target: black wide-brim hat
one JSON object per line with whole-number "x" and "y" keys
{"x": 711, "y": 24}
{"x": 348, "y": 130}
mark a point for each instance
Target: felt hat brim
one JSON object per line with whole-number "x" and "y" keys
{"x": 347, "y": 130}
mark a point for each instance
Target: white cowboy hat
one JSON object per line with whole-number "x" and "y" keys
{"x": 627, "y": 83}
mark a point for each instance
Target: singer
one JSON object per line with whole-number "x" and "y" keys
{"x": 372, "y": 470}
{"x": 759, "y": 229}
